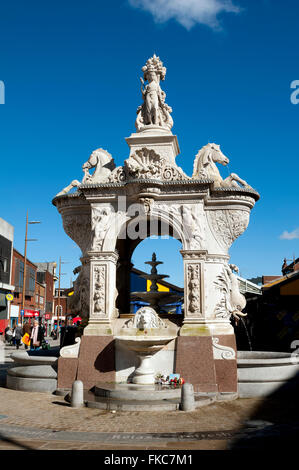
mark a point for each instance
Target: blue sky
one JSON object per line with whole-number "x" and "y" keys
{"x": 71, "y": 72}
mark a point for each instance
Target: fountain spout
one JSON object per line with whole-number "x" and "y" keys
{"x": 144, "y": 336}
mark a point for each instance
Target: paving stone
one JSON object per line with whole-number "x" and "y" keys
{"x": 44, "y": 413}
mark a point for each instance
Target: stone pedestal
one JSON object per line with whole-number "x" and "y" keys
{"x": 206, "y": 348}
{"x": 96, "y": 362}
{"x": 67, "y": 372}
{"x": 162, "y": 141}
{"x": 208, "y": 363}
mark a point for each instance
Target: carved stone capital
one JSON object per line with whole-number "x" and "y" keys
{"x": 217, "y": 258}
{"x": 103, "y": 256}
{"x": 194, "y": 254}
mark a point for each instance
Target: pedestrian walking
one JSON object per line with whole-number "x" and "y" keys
{"x": 27, "y": 328}
{"x": 8, "y": 335}
{"x": 18, "y": 335}
{"x": 37, "y": 335}
{"x": 13, "y": 339}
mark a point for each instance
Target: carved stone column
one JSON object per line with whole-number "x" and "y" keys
{"x": 205, "y": 352}
{"x": 102, "y": 293}
{"x": 194, "y": 286}
{"x": 202, "y": 295}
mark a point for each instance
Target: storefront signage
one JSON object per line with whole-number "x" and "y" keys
{"x": 31, "y": 313}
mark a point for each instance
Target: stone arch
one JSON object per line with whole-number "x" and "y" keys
{"x": 164, "y": 215}
{"x": 125, "y": 247}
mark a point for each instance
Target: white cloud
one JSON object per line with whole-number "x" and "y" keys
{"x": 187, "y": 12}
{"x": 290, "y": 235}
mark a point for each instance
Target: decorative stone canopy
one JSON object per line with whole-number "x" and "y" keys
{"x": 115, "y": 208}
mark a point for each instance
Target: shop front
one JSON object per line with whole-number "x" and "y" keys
{"x": 31, "y": 314}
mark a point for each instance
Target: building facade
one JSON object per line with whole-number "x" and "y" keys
{"x": 6, "y": 257}
{"x": 46, "y": 276}
{"x": 61, "y": 305}
{"x": 30, "y": 308}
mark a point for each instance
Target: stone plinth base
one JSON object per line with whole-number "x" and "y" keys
{"x": 209, "y": 363}
{"x": 96, "y": 360}
{"x": 137, "y": 392}
{"x": 67, "y": 371}
{"x": 161, "y": 140}
{"x": 96, "y": 363}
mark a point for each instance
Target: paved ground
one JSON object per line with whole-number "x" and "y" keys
{"x": 45, "y": 421}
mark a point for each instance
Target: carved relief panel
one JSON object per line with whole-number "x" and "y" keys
{"x": 100, "y": 223}
{"x": 194, "y": 285}
{"x": 99, "y": 290}
{"x": 77, "y": 227}
{"x": 228, "y": 225}
{"x": 102, "y": 286}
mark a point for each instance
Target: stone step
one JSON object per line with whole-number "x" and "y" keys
{"x": 33, "y": 372}
{"x": 137, "y": 392}
{"x": 130, "y": 405}
{"x": 105, "y": 403}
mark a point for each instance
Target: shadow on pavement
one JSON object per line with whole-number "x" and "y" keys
{"x": 9, "y": 440}
{"x": 274, "y": 424}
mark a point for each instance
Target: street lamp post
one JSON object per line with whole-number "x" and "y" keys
{"x": 20, "y": 317}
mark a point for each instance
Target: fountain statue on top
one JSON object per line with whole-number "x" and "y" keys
{"x": 154, "y": 297}
{"x": 154, "y": 111}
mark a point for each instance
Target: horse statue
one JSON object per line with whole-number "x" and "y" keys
{"x": 205, "y": 167}
{"x": 103, "y": 163}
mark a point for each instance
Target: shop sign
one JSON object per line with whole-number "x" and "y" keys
{"x": 31, "y": 313}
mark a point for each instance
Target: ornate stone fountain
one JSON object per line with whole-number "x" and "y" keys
{"x": 154, "y": 297}
{"x": 115, "y": 208}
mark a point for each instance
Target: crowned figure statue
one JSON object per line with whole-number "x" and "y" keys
{"x": 154, "y": 111}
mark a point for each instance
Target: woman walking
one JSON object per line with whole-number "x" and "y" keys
{"x": 37, "y": 335}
